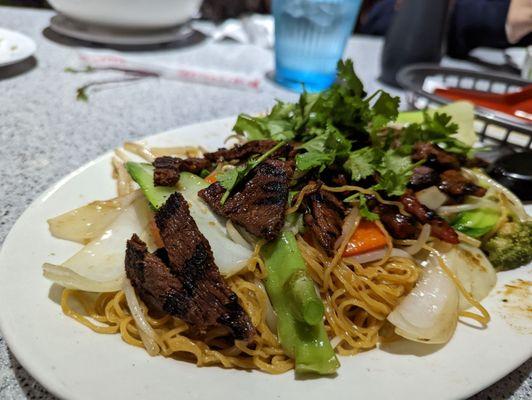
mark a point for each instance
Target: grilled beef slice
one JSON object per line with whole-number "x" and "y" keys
{"x": 182, "y": 279}
{"x": 454, "y": 183}
{"x": 167, "y": 169}
{"x": 439, "y": 227}
{"x": 398, "y": 225}
{"x": 248, "y": 149}
{"x": 259, "y": 204}
{"x": 423, "y": 177}
{"x": 434, "y": 156}
{"x": 324, "y": 218}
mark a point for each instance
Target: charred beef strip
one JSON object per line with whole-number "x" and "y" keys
{"x": 248, "y": 149}
{"x": 423, "y": 177}
{"x": 439, "y": 227}
{"x": 167, "y": 169}
{"x": 398, "y": 225}
{"x": 182, "y": 279}
{"x": 259, "y": 204}
{"x": 434, "y": 156}
{"x": 454, "y": 183}
{"x": 324, "y": 218}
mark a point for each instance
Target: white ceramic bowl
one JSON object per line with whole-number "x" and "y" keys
{"x": 129, "y": 14}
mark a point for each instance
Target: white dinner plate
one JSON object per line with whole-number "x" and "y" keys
{"x": 14, "y": 47}
{"x": 75, "y": 363}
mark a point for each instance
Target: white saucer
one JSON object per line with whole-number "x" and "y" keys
{"x": 105, "y": 35}
{"x": 14, "y": 47}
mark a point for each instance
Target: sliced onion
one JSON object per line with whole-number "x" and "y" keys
{"x": 431, "y": 197}
{"x": 72, "y": 280}
{"x": 429, "y": 313}
{"x": 348, "y": 227}
{"x": 420, "y": 242}
{"x": 88, "y": 222}
{"x": 468, "y": 239}
{"x": 99, "y": 266}
{"x": 335, "y": 341}
{"x": 472, "y": 268}
{"x": 140, "y": 150}
{"x": 146, "y": 332}
{"x": 455, "y": 209}
{"x": 235, "y": 235}
{"x": 376, "y": 255}
{"x": 271, "y": 316}
{"x": 514, "y": 204}
{"x": 230, "y": 257}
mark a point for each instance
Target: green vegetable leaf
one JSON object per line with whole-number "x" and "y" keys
{"x": 438, "y": 129}
{"x": 361, "y": 163}
{"x": 394, "y": 173}
{"x": 322, "y": 150}
{"x": 313, "y": 159}
{"x": 363, "y": 206}
{"x": 385, "y": 109}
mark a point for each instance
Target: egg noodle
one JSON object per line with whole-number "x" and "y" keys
{"x": 357, "y": 300}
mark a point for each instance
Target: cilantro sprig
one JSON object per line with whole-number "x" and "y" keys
{"x": 327, "y": 126}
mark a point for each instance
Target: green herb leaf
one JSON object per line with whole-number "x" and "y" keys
{"x": 438, "y": 129}
{"x": 361, "y": 163}
{"x": 394, "y": 173}
{"x": 313, "y": 159}
{"x": 363, "y": 206}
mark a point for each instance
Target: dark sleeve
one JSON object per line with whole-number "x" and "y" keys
{"x": 378, "y": 18}
{"x": 476, "y": 23}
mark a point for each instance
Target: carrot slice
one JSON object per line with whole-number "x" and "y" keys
{"x": 367, "y": 237}
{"x": 212, "y": 177}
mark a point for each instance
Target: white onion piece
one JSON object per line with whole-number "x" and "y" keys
{"x": 146, "y": 332}
{"x": 420, "y": 242}
{"x": 235, "y": 235}
{"x": 335, "y": 341}
{"x": 347, "y": 227}
{"x": 514, "y": 204}
{"x": 376, "y": 255}
{"x": 429, "y": 313}
{"x": 88, "y": 222}
{"x": 271, "y": 316}
{"x": 473, "y": 269}
{"x": 447, "y": 210}
{"x": 100, "y": 264}
{"x": 431, "y": 197}
{"x": 230, "y": 257}
{"x": 72, "y": 280}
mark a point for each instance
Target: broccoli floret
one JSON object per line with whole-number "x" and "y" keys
{"x": 511, "y": 247}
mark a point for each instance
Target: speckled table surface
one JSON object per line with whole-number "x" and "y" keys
{"x": 45, "y": 133}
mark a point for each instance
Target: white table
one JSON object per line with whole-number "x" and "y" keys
{"x": 45, "y": 133}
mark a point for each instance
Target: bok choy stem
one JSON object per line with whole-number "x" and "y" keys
{"x": 298, "y": 307}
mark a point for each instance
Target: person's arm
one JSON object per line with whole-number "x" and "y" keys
{"x": 519, "y": 20}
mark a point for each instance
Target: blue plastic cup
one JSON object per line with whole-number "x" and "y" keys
{"x": 310, "y": 37}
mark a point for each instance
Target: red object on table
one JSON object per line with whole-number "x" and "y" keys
{"x": 517, "y": 104}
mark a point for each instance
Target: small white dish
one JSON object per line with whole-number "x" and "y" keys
{"x": 118, "y": 37}
{"x": 75, "y": 363}
{"x": 14, "y": 47}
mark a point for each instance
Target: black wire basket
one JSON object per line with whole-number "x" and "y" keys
{"x": 493, "y": 128}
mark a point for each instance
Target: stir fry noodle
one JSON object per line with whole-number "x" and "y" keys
{"x": 324, "y": 229}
